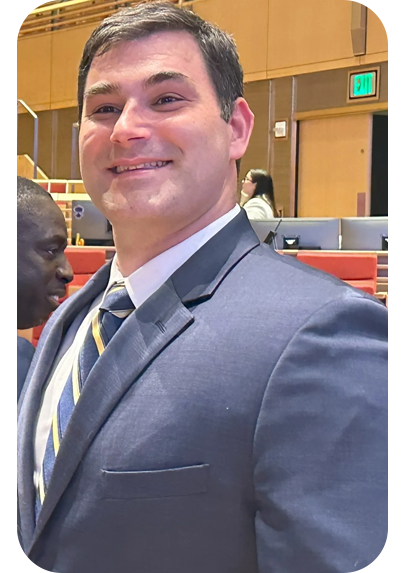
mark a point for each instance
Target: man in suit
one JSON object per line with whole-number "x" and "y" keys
{"x": 42, "y": 267}
{"x": 234, "y": 419}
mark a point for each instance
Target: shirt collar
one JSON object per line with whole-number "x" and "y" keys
{"x": 147, "y": 279}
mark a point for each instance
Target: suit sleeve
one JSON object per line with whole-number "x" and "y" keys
{"x": 25, "y": 352}
{"x": 320, "y": 448}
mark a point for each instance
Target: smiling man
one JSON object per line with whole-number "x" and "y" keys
{"x": 203, "y": 404}
{"x": 152, "y": 171}
{"x": 42, "y": 268}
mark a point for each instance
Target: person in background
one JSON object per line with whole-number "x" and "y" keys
{"x": 43, "y": 270}
{"x": 257, "y": 195}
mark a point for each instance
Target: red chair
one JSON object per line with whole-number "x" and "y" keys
{"x": 43, "y": 184}
{"x": 57, "y": 187}
{"x": 357, "y": 269}
{"x": 84, "y": 263}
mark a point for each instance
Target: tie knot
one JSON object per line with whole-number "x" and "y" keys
{"x": 117, "y": 300}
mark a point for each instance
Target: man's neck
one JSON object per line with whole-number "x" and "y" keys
{"x": 136, "y": 246}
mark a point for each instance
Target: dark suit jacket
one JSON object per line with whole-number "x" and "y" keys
{"x": 25, "y": 352}
{"x": 235, "y": 424}
{"x": 394, "y": 423}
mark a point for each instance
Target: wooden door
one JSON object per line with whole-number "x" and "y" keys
{"x": 334, "y": 166}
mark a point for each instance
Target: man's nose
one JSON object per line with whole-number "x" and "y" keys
{"x": 130, "y": 126}
{"x": 64, "y": 271}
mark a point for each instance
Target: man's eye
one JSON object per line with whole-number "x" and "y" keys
{"x": 107, "y": 109}
{"x": 52, "y": 252}
{"x": 167, "y": 99}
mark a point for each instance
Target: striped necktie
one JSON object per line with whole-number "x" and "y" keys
{"x": 115, "y": 307}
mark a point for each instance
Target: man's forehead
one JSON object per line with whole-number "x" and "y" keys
{"x": 44, "y": 212}
{"x": 174, "y": 37}
{"x": 38, "y": 233}
{"x": 153, "y": 48}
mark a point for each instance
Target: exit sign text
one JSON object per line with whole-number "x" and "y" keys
{"x": 363, "y": 85}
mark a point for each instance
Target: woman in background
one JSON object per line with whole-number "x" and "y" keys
{"x": 257, "y": 195}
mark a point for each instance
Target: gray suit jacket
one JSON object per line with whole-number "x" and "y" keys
{"x": 235, "y": 424}
{"x": 25, "y": 352}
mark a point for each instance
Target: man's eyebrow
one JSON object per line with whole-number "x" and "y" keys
{"x": 105, "y": 88}
{"x": 161, "y": 77}
{"x": 102, "y": 88}
{"x": 56, "y": 238}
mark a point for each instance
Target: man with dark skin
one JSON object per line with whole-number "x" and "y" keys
{"x": 43, "y": 269}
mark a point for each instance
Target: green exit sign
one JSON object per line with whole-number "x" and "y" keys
{"x": 363, "y": 84}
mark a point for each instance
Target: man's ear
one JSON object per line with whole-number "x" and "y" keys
{"x": 241, "y": 123}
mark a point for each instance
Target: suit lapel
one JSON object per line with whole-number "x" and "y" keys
{"x": 201, "y": 275}
{"x": 144, "y": 334}
{"x": 29, "y": 403}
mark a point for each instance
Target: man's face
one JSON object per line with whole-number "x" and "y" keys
{"x": 43, "y": 269}
{"x": 153, "y": 146}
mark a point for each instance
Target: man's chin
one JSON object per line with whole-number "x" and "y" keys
{"x": 44, "y": 316}
{"x": 27, "y": 324}
{"x": 39, "y": 322}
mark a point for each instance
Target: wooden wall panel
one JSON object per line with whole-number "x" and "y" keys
{"x": 54, "y": 140}
{"x": 34, "y": 71}
{"x": 334, "y": 165}
{"x": 45, "y": 149}
{"x": 308, "y": 32}
{"x": 66, "y": 117}
{"x": 329, "y": 89}
{"x": 247, "y": 21}
{"x": 256, "y": 156}
{"x": 281, "y": 148}
{"x": 67, "y": 48}
{"x": 25, "y": 168}
{"x": 376, "y": 41}
{"x": 265, "y": 152}
{"x": 25, "y": 138}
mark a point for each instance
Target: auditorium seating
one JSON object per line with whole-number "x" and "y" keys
{"x": 357, "y": 269}
{"x": 53, "y": 186}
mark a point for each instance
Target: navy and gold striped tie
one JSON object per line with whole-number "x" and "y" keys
{"x": 115, "y": 307}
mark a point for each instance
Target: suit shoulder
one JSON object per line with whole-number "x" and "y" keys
{"x": 24, "y": 347}
{"x": 286, "y": 281}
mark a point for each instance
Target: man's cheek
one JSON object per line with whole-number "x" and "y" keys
{"x": 31, "y": 275}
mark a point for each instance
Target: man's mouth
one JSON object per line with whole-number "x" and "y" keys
{"x": 153, "y": 165}
{"x": 55, "y": 298}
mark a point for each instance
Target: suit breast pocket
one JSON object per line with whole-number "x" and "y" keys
{"x": 187, "y": 480}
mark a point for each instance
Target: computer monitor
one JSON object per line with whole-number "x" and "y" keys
{"x": 91, "y": 225}
{"x": 300, "y": 232}
{"x": 364, "y": 233}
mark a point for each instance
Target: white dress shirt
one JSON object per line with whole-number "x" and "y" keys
{"x": 140, "y": 285}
